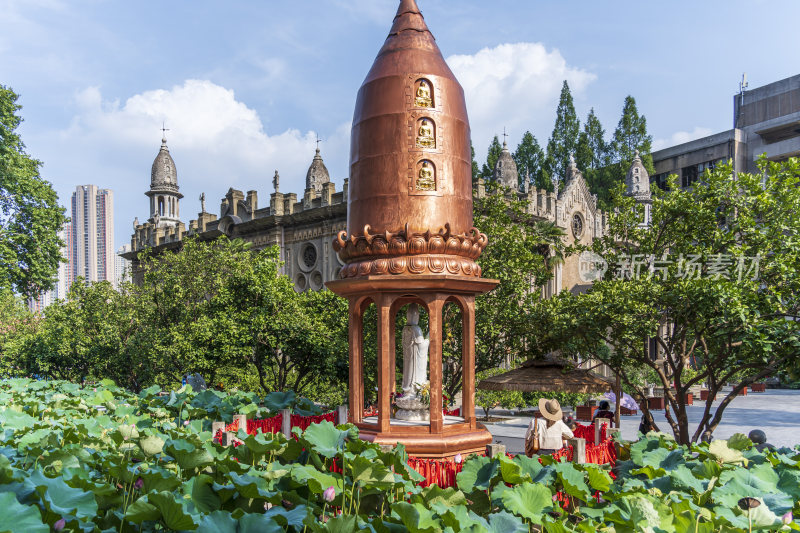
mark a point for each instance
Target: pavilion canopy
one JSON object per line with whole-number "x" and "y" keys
{"x": 552, "y": 374}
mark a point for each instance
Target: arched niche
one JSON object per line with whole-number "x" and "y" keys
{"x": 424, "y": 95}
{"x": 425, "y": 133}
{"x": 425, "y": 178}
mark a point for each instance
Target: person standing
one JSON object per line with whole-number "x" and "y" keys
{"x": 604, "y": 411}
{"x": 546, "y": 435}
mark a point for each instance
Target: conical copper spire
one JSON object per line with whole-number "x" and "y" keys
{"x": 408, "y": 17}
{"x": 410, "y": 161}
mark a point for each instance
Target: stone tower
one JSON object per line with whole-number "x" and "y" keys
{"x": 505, "y": 170}
{"x": 164, "y": 194}
{"x": 317, "y": 174}
{"x": 637, "y": 185}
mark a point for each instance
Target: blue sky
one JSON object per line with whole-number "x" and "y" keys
{"x": 246, "y": 86}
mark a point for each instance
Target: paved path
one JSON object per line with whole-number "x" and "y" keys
{"x": 776, "y": 412}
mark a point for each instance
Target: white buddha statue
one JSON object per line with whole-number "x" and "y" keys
{"x": 415, "y": 369}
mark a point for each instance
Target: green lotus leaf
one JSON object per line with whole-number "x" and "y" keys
{"x": 324, "y": 438}
{"x": 739, "y": 441}
{"x": 172, "y": 511}
{"x": 61, "y": 499}
{"x": 415, "y": 517}
{"x": 598, "y": 478}
{"x": 316, "y": 481}
{"x": 528, "y": 500}
{"x": 723, "y": 454}
{"x": 789, "y": 482}
{"x": 187, "y": 455}
{"x": 572, "y": 480}
{"x": 275, "y": 401}
{"x": 434, "y": 494}
{"x": 157, "y": 480}
{"x": 683, "y": 480}
{"x": 142, "y": 511}
{"x": 151, "y": 444}
{"x": 250, "y": 486}
{"x": 203, "y": 496}
{"x": 511, "y": 471}
{"x": 478, "y": 473}
{"x": 18, "y": 517}
{"x": 293, "y": 518}
{"x": 223, "y": 522}
{"x": 58, "y": 460}
{"x": 371, "y": 473}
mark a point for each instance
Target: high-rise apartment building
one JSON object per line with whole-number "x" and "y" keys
{"x": 62, "y": 285}
{"x": 92, "y": 254}
{"x": 123, "y": 266}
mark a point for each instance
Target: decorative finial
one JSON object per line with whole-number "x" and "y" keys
{"x": 318, "y": 141}
{"x": 135, "y": 222}
{"x": 572, "y": 160}
{"x": 202, "y": 202}
{"x": 636, "y": 155}
{"x": 164, "y": 131}
{"x": 276, "y": 179}
{"x": 505, "y": 135}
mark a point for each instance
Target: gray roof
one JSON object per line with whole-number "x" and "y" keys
{"x": 637, "y": 181}
{"x": 505, "y": 170}
{"x": 163, "y": 174}
{"x": 317, "y": 174}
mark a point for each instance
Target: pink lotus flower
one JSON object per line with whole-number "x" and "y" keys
{"x": 329, "y": 494}
{"x": 787, "y": 518}
{"x": 458, "y": 458}
{"x": 59, "y": 525}
{"x": 185, "y": 422}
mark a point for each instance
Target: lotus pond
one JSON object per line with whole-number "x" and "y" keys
{"x": 100, "y": 458}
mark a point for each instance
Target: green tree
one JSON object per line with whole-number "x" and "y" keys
{"x": 79, "y": 337}
{"x": 631, "y": 136}
{"x": 521, "y": 254}
{"x": 715, "y": 297}
{"x": 529, "y": 158}
{"x": 476, "y": 169}
{"x": 592, "y": 150}
{"x": 491, "y": 159}
{"x": 30, "y": 216}
{"x": 563, "y": 141}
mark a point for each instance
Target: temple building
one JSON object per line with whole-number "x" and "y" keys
{"x": 303, "y": 228}
{"x": 574, "y": 210}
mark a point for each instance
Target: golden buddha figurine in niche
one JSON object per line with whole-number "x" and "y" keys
{"x": 423, "y": 98}
{"x": 426, "y": 181}
{"x": 425, "y": 137}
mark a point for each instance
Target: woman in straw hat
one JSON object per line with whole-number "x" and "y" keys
{"x": 546, "y": 435}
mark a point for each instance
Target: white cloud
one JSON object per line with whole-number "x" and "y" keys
{"x": 680, "y": 137}
{"x": 515, "y": 86}
{"x": 217, "y": 142}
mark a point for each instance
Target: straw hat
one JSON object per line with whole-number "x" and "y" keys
{"x": 550, "y": 409}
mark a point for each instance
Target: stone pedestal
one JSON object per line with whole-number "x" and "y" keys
{"x": 412, "y": 408}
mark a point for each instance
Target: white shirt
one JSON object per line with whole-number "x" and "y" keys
{"x": 550, "y": 438}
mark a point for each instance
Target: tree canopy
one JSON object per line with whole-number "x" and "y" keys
{"x": 530, "y": 159}
{"x": 707, "y": 295}
{"x": 563, "y": 141}
{"x": 30, "y": 216}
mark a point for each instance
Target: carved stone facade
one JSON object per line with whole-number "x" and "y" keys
{"x": 303, "y": 229}
{"x": 573, "y": 210}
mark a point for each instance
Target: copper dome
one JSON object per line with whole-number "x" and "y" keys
{"x": 410, "y": 159}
